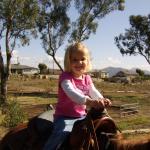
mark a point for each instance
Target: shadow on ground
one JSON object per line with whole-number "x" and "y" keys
{"x": 35, "y": 94}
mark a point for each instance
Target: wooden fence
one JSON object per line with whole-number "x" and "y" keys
{"x": 129, "y": 109}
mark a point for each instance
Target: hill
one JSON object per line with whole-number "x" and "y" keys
{"x": 113, "y": 70}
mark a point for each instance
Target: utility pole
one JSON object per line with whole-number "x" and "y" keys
{"x": 53, "y": 66}
{"x": 18, "y": 60}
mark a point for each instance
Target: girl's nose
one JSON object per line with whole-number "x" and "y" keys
{"x": 80, "y": 62}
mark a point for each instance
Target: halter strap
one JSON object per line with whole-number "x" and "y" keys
{"x": 90, "y": 127}
{"x": 108, "y": 141}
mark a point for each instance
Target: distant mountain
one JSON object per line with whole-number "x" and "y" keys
{"x": 113, "y": 70}
{"x": 145, "y": 71}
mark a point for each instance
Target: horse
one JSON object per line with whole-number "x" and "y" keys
{"x": 95, "y": 132}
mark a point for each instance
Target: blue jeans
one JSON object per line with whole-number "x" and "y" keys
{"x": 62, "y": 128}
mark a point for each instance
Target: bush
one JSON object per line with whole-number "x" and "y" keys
{"x": 13, "y": 114}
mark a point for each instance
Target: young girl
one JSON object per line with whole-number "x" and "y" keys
{"x": 76, "y": 91}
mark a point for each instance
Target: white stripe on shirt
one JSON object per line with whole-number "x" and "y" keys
{"x": 76, "y": 96}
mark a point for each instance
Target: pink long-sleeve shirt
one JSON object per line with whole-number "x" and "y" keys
{"x": 72, "y": 95}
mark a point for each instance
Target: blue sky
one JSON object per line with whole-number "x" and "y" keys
{"x": 103, "y": 50}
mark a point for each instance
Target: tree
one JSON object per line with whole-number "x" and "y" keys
{"x": 90, "y": 12}
{"x": 17, "y": 23}
{"x": 55, "y": 29}
{"x": 53, "y": 25}
{"x": 42, "y": 67}
{"x": 140, "y": 72}
{"x": 136, "y": 39}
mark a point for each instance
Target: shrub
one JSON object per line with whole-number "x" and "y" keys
{"x": 13, "y": 114}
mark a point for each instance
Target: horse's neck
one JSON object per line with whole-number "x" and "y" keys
{"x": 130, "y": 145}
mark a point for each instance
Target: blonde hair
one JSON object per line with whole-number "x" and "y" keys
{"x": 74, "y": 48}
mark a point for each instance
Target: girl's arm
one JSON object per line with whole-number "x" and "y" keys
{"x": 72, "y": 93}
{"x": 79, "y": 98}
{"x": 95, "y": 94}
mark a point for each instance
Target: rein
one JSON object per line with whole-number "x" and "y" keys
{"x": 108, "y": 136}
{"x": 91, "y": 131}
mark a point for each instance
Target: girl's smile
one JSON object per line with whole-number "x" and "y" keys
{"x": 79, "y": 63}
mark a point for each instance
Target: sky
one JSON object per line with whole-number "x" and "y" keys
{"x": 103, "y": 50}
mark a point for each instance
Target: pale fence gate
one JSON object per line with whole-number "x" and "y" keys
{"x": 129, "y": 109}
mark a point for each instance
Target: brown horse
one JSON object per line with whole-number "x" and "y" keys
{"x": 92, "y": 133}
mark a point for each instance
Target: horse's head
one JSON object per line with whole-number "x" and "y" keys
{"x": 94, "y": 129}
{"x": 106, "y": 130}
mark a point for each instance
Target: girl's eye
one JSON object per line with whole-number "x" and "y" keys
{"x": 75, "y": 60}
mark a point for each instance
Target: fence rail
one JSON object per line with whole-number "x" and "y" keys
{"x": 129, "y": 109}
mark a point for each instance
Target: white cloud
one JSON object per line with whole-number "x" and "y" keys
{"x": 102, "y": 63}
{"x": 15, "y": 53}
{"x": 35, "y": 60}
{"x": 143, "y": 67}
{"x": 60, "y": 59}
{"x": 3, "y": 53}
{"x": 113, "y": 61}
{"x": 50, "y": 62}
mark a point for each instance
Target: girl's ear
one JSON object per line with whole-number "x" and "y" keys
{"x": 89, "y": 67}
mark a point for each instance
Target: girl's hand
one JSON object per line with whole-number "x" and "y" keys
{"x": 97, "y": 104}
{"x": 107, "y": 102}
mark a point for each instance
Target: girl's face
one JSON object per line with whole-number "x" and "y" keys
{"x": 78, "y": 62}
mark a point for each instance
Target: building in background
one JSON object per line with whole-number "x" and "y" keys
{"x": 23, "y": 69}
{"x": 100, "y": 74}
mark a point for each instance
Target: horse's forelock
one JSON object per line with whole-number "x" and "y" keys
{"x": 106, "y": 125}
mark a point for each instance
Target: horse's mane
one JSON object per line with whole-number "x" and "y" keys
{"x": 142, "y": 143}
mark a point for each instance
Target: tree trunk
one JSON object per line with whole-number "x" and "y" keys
{"x": 4, "y": 79}
{"x": 57, "y": 63}
{"x": 3, "y": 97}
{"x": 5, "y": 70}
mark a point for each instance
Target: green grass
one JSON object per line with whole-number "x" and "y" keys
{"x": 29, "y": 100}
{"x": 133, "y": 122}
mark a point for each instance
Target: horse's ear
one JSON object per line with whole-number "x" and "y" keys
{"x": 106, "y": 125}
